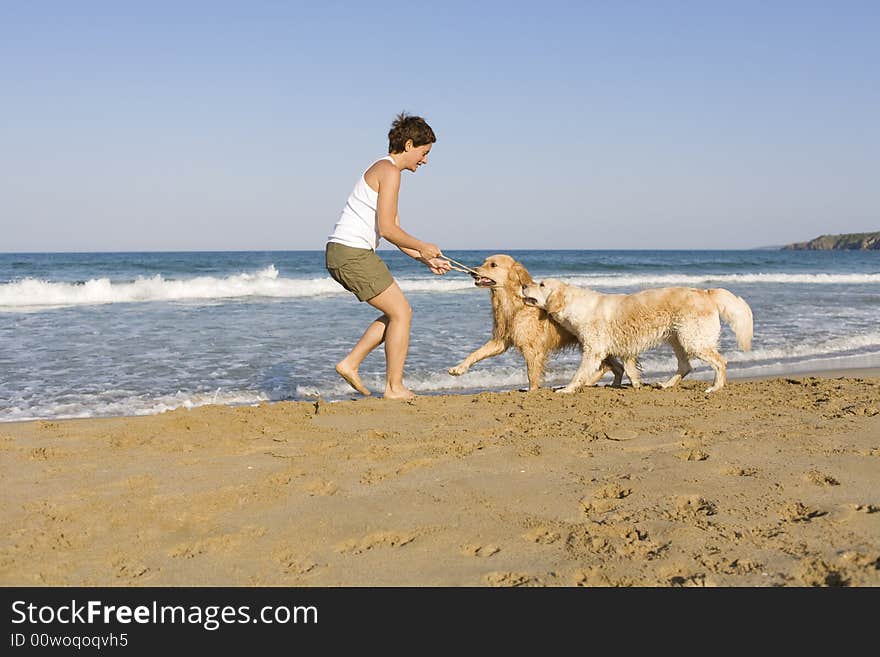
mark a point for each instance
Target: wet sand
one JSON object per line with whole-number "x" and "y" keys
{"x": 770, "y": 482}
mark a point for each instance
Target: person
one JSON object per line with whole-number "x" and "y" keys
{"x": 369, "y": 215}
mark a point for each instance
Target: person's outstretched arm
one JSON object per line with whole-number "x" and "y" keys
{"x": 436, "y": 265}
{"x": 386, "y": 215}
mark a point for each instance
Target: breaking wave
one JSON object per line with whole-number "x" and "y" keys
{"x": 32, "y": 294}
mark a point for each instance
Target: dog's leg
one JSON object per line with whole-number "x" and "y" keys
{"x": 631, "y": 367}
{"x": 684, "y": 364}
{"x": 613, "y": 365}
{"x": 534, "y": 367}
{"x": 587, "y": 374}
{"x": 491, "y": 348}
{"x": 718, "y": 363}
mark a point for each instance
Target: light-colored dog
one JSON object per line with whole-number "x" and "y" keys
{"x": 625, "y": 325}
{"x": 514, "y": 324}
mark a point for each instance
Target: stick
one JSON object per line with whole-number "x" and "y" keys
{"x": 461, "y": 267}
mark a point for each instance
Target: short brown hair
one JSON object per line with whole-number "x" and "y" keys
{"x": 406, "y": 127}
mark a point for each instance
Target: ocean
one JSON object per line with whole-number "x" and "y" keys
{"x": 111, "y": 334}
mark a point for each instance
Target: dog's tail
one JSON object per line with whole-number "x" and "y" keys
{"x": 736, "y": 312}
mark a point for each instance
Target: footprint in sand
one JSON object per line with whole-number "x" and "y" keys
{"x": 375, "y": 540}
{"x": 736, "y": 566}
{"x": 291, "y": 564}
{"x": 819, "y": 573}
{"x": 694, "y": 505}
{"x": 596, "y": 576}
{"x": 605, "y": 499}
{"x": 741, "y": 472}
{"x": 821, "y": 479}
{"x": 693, "y": 455}
{"x": 475, "y": 550}
{"x": 612, "y": 492}
{"x": 512, "y": 579}
{"x": 799, "y": 512}
{"x": 129, "y": 570}
{"x": 591, "y": 507}
{"x": 543, "y": 536}
{"x": 697, "y": 580}
{"x": 41, "y": 454}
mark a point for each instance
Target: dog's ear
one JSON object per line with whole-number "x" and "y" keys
{"x": 555, "y": 301}
{"x": 520, "y": 275}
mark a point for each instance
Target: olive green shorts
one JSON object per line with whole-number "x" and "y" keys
{"x": 360, "y": 271}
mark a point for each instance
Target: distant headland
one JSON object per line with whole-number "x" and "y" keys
{"x": 845, "y": 242}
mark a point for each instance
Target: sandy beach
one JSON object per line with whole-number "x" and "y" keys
{"x": 766, "y": 483}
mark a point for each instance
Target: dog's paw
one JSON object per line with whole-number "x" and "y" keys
{"x": 458, "y": 370}
{"x": 567, "y": 390}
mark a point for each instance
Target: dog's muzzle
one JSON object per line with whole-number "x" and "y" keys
{"x": 529, "y": 301}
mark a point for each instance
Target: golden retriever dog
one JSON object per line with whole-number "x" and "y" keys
{"x": 625, "y": 325}
{"x": 515, "y": 324}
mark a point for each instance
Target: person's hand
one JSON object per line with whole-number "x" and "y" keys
{"x": 437, "y": 266}
{"x": 429, "y": 251}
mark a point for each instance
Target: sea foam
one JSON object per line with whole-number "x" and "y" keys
{"x": 32, "y": 294}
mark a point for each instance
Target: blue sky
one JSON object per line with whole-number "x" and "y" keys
{"x": 244, "y": 125}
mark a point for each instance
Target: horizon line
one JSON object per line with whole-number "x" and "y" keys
{"x": 391, "y": 249}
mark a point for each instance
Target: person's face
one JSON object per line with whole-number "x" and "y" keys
{"x": 416, "y": 155}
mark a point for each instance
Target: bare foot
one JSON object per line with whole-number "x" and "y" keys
{"x": 400, "y": 393}
{"x": 351, "y": 378}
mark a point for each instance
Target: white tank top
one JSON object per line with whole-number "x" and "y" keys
{"x": 358, "y": 225}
